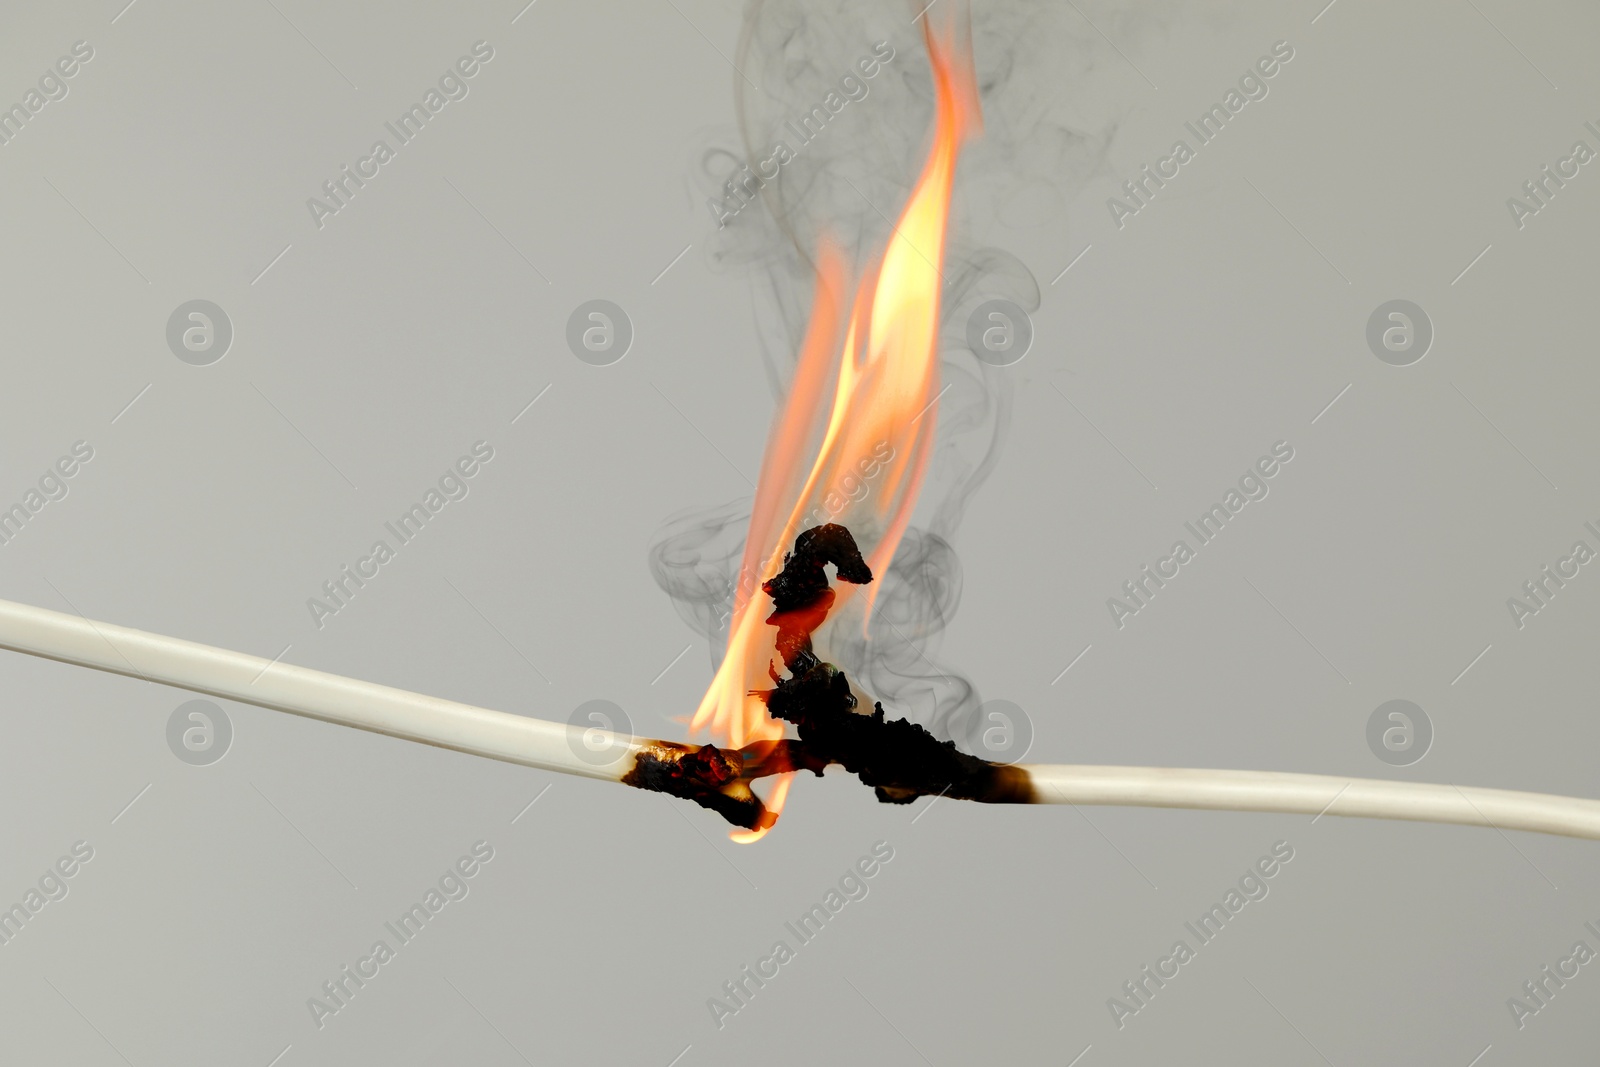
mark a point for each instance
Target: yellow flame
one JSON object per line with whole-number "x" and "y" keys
{"x": 881, "y": 413}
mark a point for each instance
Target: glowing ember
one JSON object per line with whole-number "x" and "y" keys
{"x": 885, "y": 386}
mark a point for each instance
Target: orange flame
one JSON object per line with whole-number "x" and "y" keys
{"x": 877, "y": 429}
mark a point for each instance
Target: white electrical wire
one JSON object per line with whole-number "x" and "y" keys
{"x": 558, "y": 747}
{"x": 1315, "y": 795}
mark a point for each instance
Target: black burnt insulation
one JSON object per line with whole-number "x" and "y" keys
{"x": 900, "y": 759}
{"x": 706, "y": 775}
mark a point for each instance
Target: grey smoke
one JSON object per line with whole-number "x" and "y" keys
{"x": 695, "y": 559}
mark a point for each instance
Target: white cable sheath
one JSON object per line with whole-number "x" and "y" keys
{"x": 283, "y": 687}
{"x": 1316, "y": 795}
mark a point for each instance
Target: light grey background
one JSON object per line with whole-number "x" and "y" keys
{"x": 427, "y": 314}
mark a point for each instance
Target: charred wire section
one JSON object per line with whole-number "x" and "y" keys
{"x": 707, "y": 775}
{"x": 900, "y": 759}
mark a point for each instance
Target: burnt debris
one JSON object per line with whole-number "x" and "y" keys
{"x": 900, "y": 759}
{"x": 804, "y": 580}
